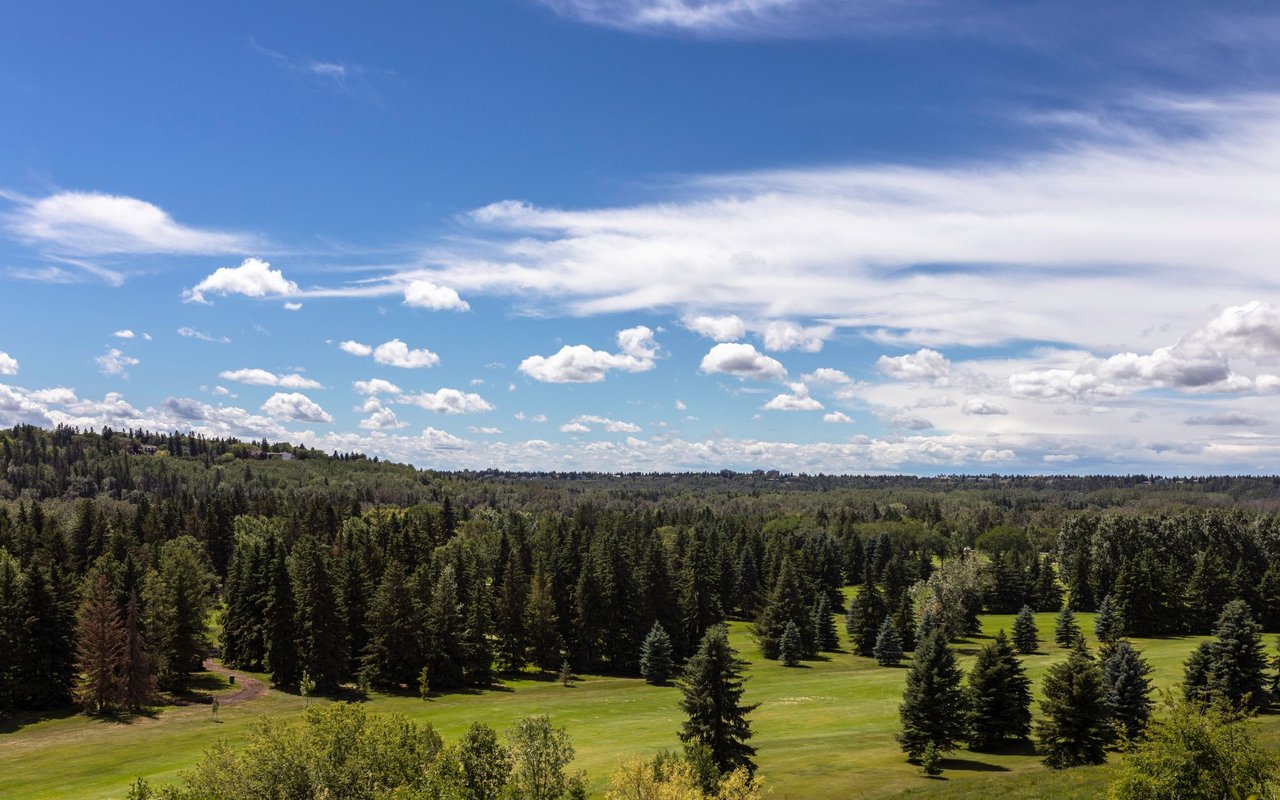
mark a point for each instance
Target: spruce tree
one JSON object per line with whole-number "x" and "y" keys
{"x": 11, "y": 630}
{"x": 712, "y": 686}
{"x": 513, "y": 594}
{"x": 785, "y": 605}
{"x": 1025, "y": 633}
{"x": 1066, "y": 631}
{"x": 824, "y": 626}
{"x": 280, "y": 632}
{"x": 443, "y": 630}
{"x": 545, "y": 644}
{"x": 790, "y": 648}
{"x": 888, "y": 649}
{"x": 747, "y": 583}
{"x": 1048, "y": 593}
{"x": 904, "y": 620}
{"x": 320, "y": 621}
{"x": 1075, "y": 724}
{"x": 392, "y": 657}
{"x": 1107, "y": 626}
{"x": 933, "y": 706}
{"x": 100, "y": 646}
{"x": 139, "y": 671}
{"x": 927, "y": 625}
{"x": 476, "y": 645}
{"x": 656, "y": 656}
{"x": 1128, "y": 688}
{"x": 178, "y": 596}
{"x": 866, "y": 614}
{"x": 1208, "y": 591}
{"x": 48, "y": 642}
{"x": 1233, "y": 665}
{"x": 999, "y": 696}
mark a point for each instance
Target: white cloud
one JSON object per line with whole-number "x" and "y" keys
{"x": 447, "y": 401}
{"x": 837, "y": 417}
{"x": 982, "y": 408}
{"x": 910, "y": 422}
{"x": 924, "y": 364}
{"x": 253, "y": 278}
{"x": 8, "y": 364}
{"x": 680, "y": 405}
{"x": 538, "y": 418}
{"x": 825, "y": 376}
{"x": 192, "y": 333}
{"x": 262, "y": 377}
{"x": 433, "y": 439}
{"x": 781, "y": 335}
{"x": 1060, "y": 458}
{"x": 798, "y": 400}
{"x": 355, "y": 348}
{"x": 293, "y": 306}
{"x": 581, "y": 364}
{"x": 381, "y": 419}
{"x": 296, "y": 407}
{"x": 723, "y": 329}
{"x": 1230, "y": 418}
{"x": 574, "y": 427}
{"x": 425, "y": 294}
{"x": 744, "y": 361}
{"x": 396, "y": 353}
{"x": 92, "y": 223}
{"x": 124, "y": 333}
{"x": 221, "y": 391}
{"x": 115, "y": 362}
{"x": 580, "y": 423}
{"x": 375, "y": 386}
{"x": 486, "y": 430}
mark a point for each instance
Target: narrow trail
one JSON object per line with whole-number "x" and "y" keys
{"x": 250, "y": 688}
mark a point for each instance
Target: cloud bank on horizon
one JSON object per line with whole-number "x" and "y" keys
{"x": 1097, "y": 295}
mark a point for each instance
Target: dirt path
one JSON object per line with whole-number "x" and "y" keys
{"x": 250, "y": 688}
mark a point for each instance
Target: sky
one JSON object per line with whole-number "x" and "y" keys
{"x": 840, "y": 236}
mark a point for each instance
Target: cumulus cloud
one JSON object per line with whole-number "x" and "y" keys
{"x": 580, "y": 424}
{"x": 825, "y": 376}
{"x": 375, "y": 386}
{"x": 909, "y": 422}
{"x": 381, "y": 419}
{"x": 425, "y": 294}
{"x": 781, "y": 335}
{"x": 983, "y": 408}
{"x": 723, "y": 329}
{"x": 8, "y": 364}
{"x": 293, "y": 306}
{"x": 115, "y": 362}
{"x": 355, "y": 348}
{"x": 924, "y": 364}
{"x": 262, "y": 377}
{"x": 581, "y": 364}
{"x": 396, "y": 353}
{"x": 253, "y": 278}
{"x": 797, "y": 400}
{"x": 744, "y": 361}
{"x": 296, "y": 407}
{"x": 574, "y": 427}
{"x": 124, "y": 333}
{"x": 447, "y": 401}
{"x": 192, "y": 333}
{"x": 837, "y": 417}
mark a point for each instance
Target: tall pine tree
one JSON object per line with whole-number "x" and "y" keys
{"x": 999, "y": 696}
{"x": 934, "y": 706}
{"x": 712, "y": 687}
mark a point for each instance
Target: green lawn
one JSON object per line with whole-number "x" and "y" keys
{"x": 823, "y": 730}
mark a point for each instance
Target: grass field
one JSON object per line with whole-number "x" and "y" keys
{"x": 823, "y": 730}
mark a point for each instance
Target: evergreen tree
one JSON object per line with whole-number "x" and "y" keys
{"x": 1269, "y": 599}
{"x": 1208, "y": 590}
{"x": 904, "y": 620}
{"x": 392, "y": 657}
{"x": 698, "y": 596}
{"x": 545, "y": 644}
{"x": 785, "y": 605}
{"x": 656, "y": 656}
{"x": 100, "y": 645}
{"x": 1075, "y": 725}
{"x": 47, "y": 661}
{"x": 888, "y": 649}
{"x": 826, "y": 639}
{"x": 179, "y": 594}
{"x": 443, "y": 630}
{"x": 712, "y": 686}
{"x": 353, "y": 596}
{"x": 790, "y": 648}
{"x": 280, "y": 632}
{"x": 747, "y": 583}
{"x": 927, "y": 625}
{"x": 476, "y": 645}
{"x": 1048, "y": 593}
{"x": 1234, "y": 665}
{"x": 12, "y": 624}
{"x": 513, "y": 593}
{"x": 320, "y": 621}
{"x": 933, "y": 706}
{"x": 1128, "y": 688}
{"x": 1107, "y": 625}
{"x": 1066, "y": 631}
{"x": 866, "y": 615}
{"x": 999, "y": 696}
{"x": 139, "y": 671}
{"x": 1025, "y": 633}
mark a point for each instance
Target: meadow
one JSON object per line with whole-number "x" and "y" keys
{"x": 824, "y": 729}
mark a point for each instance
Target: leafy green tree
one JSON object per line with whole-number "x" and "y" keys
{"x": 1197, "y": 752}
{"x": 934, "y": 705}
{"x": 540, "y": 756}
{"x": 1125, "y": 678}
{"x": 656, "y": 656}
{"x": 790, "y": 647}
{"x": 1025, "y": 633}
{"x": 999, "y": 696}
{"x": 179, "y": 595}
{"x": 485, "y": 763}
{"x": 712, "y": 687}
{"x": 1066, "y": 631}
{"x": 100, "y": 647}
{"x": 1075, "y": 724}
{"x": 888, "y": 650}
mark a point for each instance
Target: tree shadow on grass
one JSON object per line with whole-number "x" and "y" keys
{"x": 1023, "y": 748}
{"x": 969, "y": 765}
{"x": 20, "y": 720}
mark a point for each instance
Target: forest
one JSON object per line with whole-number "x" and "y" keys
{"x": 129, "y": 559}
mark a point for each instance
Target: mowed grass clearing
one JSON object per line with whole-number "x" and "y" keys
{"x": 823, "y": 730}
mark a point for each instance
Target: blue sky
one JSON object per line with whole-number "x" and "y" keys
{"x": 809, "y": 235}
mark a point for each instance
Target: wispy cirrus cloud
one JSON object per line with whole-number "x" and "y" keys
{"x": 342, "y": 77}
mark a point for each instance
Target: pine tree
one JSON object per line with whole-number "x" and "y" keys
{"x": 443, "y": 629}
{"x": 48, "y": 639}
{"x": 656, "y": 656}
{"x": 999, "y": 696}
{"x": 790, "y": 648}
{"x": 824, "y": 626}
{"x": 476, "y": 646}
{"x": 712, "y": 686}
{"x": 1234, "y": 665}
{"x": 1128, "y": 688}
{"x": 1269, "y": 599}
{"x": 888, "y": 649}
{"x": 178, "y": 596}
{"x": 1107, "y": 625}
{"x": 1025, "y": 633}
{"x": 545, "y": 644}
{"x": 513, "y": 592}
{"x": 1048, "y": 593}
{"x": 100, "y": 645}
{"x": 866, "y": 615}
{"x": 280, "y": 633}
{"x": 139, "y": 670}
{"x": 320, "y": 618}
{"x": 904, "y": 620}
{"x": 12, "y": 624}
{"x": 747, "y": 583}
{"x": 927, "y": 625}
{"x": 1075, "y": 723}
{"x": 785, "y": 605}
{"x": 698, "y": 595}
{"x": 933, "y": 706}
{"x": 1066, "y": 631}
{"x": 392, "y": 657}
{"x": 1208, "y": 590}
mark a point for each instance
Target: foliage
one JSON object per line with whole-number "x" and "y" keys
{"x": 1126, "y": 680}
{"x": 999, "y": 696}
{"x": 1025, "y": 633}
{"x": 712, "y": 687}
{"x": 888, "y": 651}
{"x": 1074, "y": 727}
{"x": 933, "y": 705}
{"x": 656, "y": 656}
